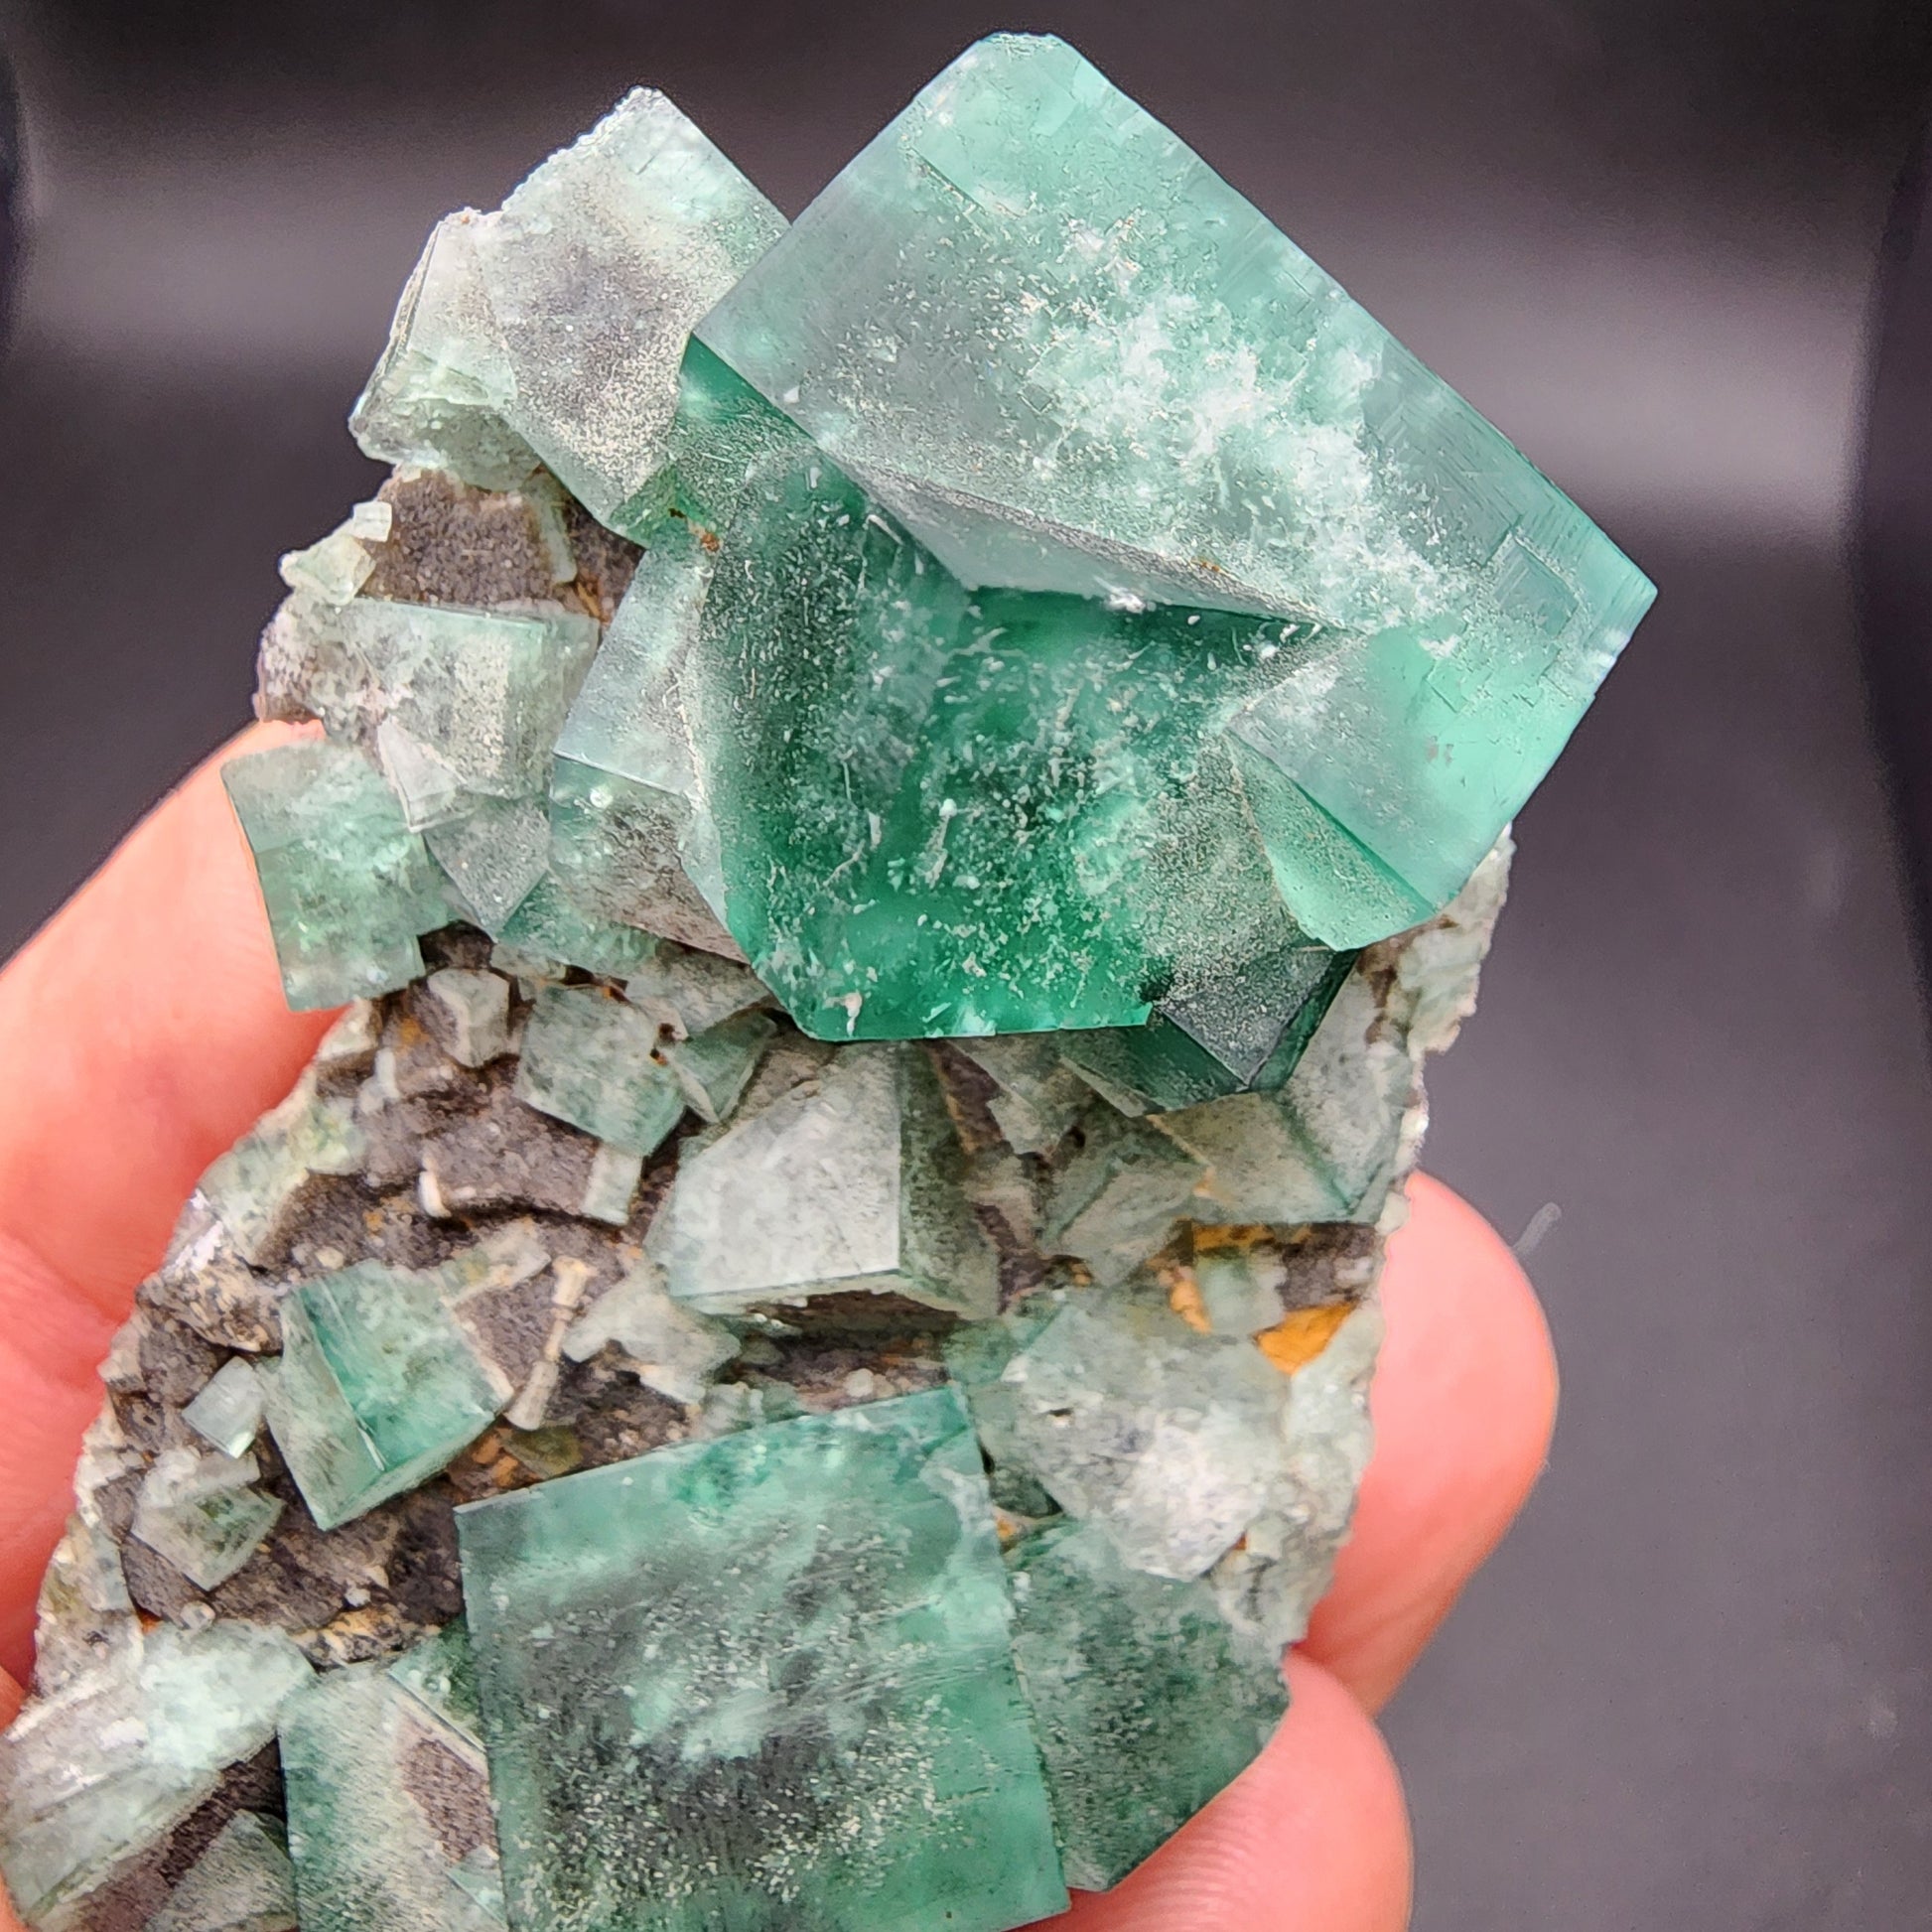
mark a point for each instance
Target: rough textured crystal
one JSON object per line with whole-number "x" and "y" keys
{"x": 97, "y": 1776}
{"x": 204, "y": 1513}
{"x": 1144, "y": 1703}
{"x": 389, "y": 1819}
{"x": 589, "y": 1059}
{"x": 762, "y": 1681}
{"x": 376, "y": 1388}
{"x": 850, "y": 1183}
{"x": 550, "y": 331}
{"x": 242, "y": 1882}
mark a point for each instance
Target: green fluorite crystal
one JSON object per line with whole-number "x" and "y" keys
{"x": 645, "y": 224}
{"x": 204, "y": 1513}
{"x": 377, "y": 1388}
{"x": 242, "y": 1882}
{"x": 849, "y": 1182}
{"x": 758, "y": 1682}
{"x": 389, "y": 1818}
{"x": 588, "y": 1060}
{"x": 347, "y": 885}
{"x": 1068, "y": 358}
{"x": 1144, "y": 1703}
{"x": 229, "y": 1410}
{"x": 95, "y": 1775}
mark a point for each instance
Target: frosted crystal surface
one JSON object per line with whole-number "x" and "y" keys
{"x": 634, "y": 1626}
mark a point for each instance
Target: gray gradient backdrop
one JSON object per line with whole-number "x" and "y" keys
{"x": 1640, "y": 234}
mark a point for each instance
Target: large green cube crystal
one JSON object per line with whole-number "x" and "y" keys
{"x": 552, "y": 329}
{"x": 763, "y": 1682}
{"x": 376, "y": 1388}
{"x": 852, "y": 1182}
{"x": 930, "y": 810}
{"x": 388, "y": 1809}
{"x": 346, "y": 884}
{"x": 1068, "y": 358}
{"x": 588, "y": 1060}
{"x": 1144, "y": 1702}
{"x": 100, "y": 1773}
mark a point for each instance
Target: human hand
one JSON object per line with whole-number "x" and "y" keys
{"x": 143, "y": 1030}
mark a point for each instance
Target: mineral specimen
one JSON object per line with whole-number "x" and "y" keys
{"x": 900, "y": 803}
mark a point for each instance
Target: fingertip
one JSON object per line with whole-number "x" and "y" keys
{"x": 1464, "y": 1401}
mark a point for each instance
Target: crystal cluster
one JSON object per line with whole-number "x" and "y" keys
{"x": 895, "y": 805}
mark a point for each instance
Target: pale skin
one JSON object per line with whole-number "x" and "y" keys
{"x": 143, "y": 1030}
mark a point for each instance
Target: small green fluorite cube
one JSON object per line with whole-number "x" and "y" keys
{"x": 1146, "y": 1704}
{"x": 588, "y": 1060}
{"x": 762, "y": 1682}
{"x": 388, "y": 1808}
{"x": 850, "y": 1184}
{"x": 347, "y": 885}
{"x": 377, "y": 1387}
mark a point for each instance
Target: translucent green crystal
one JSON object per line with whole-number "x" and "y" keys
{"x": 552, "y": 329}
{"x": 104, "y": 1769}
{"x": 548, "y": 928}
{"x": 459, "y": 707}
{"x": 1114, "y": 1202}
{"x": 204, "y": 1513}
{"x": 242, "y": 1882}
{"x": 385, "y": 1803}
{"x": 229, "y": 1410}
{"x": 1322, "y": 1148}
{"x": 588, "y": 1060}
{"x": 760, "y": 1681}
{"x": 850, "y": 1183}
{"x": 960, "y": 812}
{"x": 376, "y": 1388}
{"x": 714, "y": 1067}
{"x": 1248, "y": 1030}
{"x": 1068, "y": 358}
{"x": 666, "y": 1345}
{"x": 1144, "y": 1703}
{"x": 1169, "y": 1442}
{"x": 347, "y": 885}
{"x": 441, "y": 1673}
{"x": 495, "y": 855}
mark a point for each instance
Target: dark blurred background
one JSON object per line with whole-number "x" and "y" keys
{"x": 1641, "y": 235}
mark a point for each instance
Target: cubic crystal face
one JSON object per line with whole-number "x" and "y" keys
{"x": 762, "y": 1681}
{"x": 377, "y": 1387}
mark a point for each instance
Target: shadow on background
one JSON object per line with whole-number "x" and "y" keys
{"x": 1638, "y": 234}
